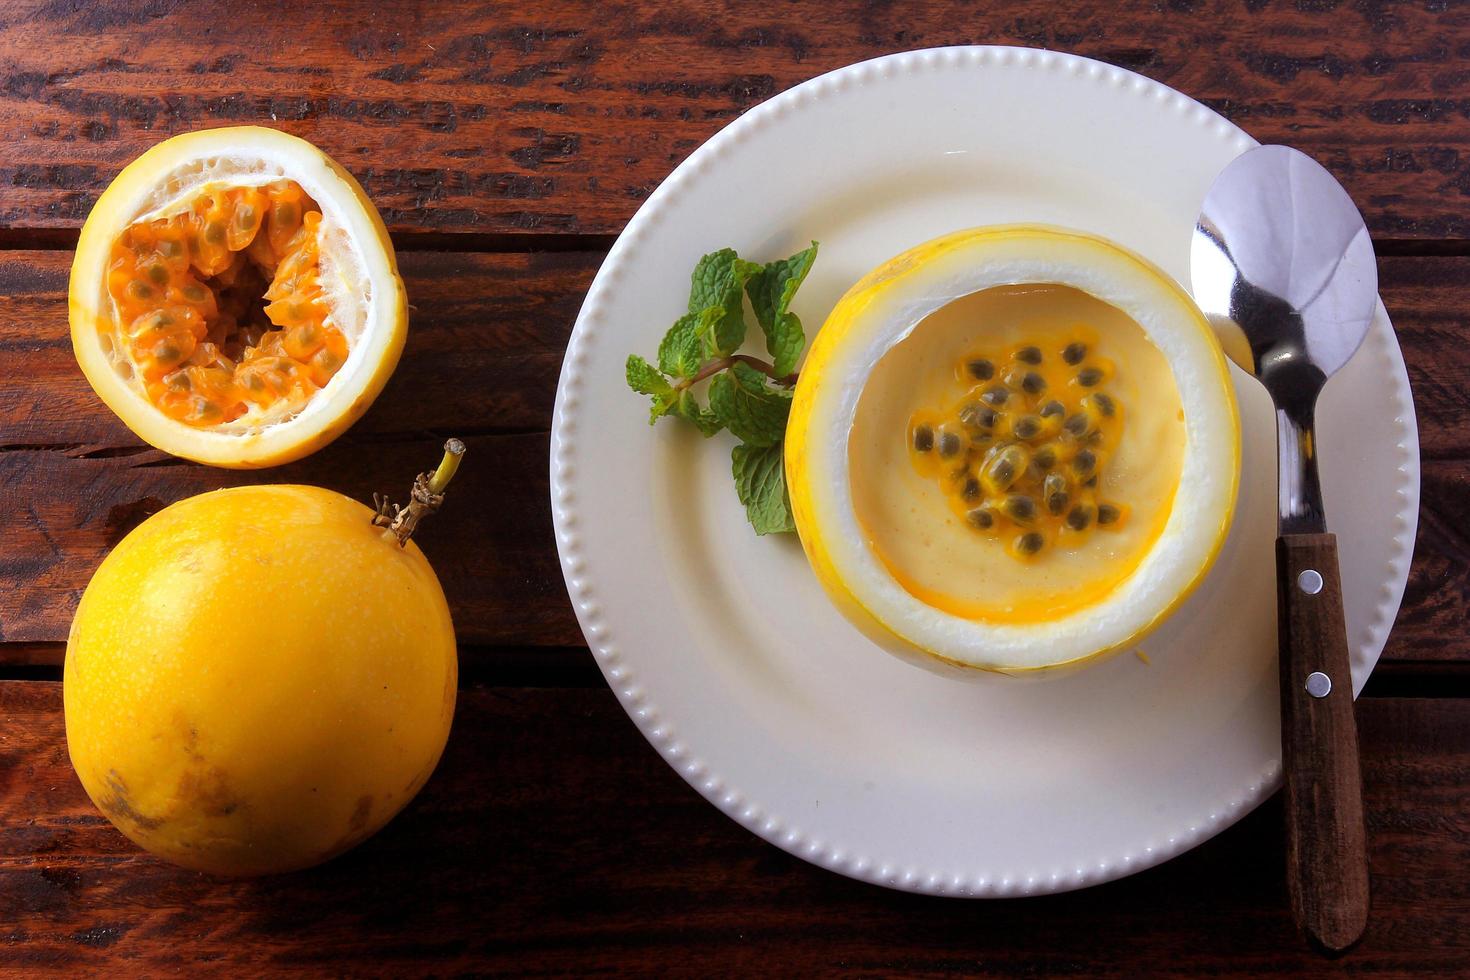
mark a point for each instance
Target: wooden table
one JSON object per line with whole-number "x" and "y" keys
{"x": 506, "y": 145}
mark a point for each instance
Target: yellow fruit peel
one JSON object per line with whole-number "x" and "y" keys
{"x": 258, "y": 678}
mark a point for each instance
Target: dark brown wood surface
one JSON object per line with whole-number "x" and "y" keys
{"x": 553, "y": 840}
{"x": 560, "y": 117}
{"x": 507, "y": 144}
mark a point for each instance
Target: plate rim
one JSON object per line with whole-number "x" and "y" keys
{"x": 622, "y": 680}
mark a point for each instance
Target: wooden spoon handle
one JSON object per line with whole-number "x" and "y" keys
{"x": 1326, "y": 857}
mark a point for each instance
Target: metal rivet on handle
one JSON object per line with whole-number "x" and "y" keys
{"x": 1319, "y": 685}
{"x": 1310, "y": 581}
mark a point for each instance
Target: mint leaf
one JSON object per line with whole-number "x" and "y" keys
{"x": 645, "y": 379}
{"x": 785, "y": 342}
{"x": 771, "y": 291}
{"x": 681, "y": 352}
{"x": 703, "y": 342}
{"x": 686, "y": 406}
{"x": 715, "y": 289}
{"x": 742, "y": 401}
{"x": 760, "y": 481}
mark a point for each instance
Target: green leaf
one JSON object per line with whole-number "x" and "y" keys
{"x": 744, "y": 403}
{"x": 760, "y": 481}
{"x": 680, "y": 353}
{"x": 785, "y": 343}
{"x": 645, "y": 379}
{"x": 715, "y": 294}
{"x": 771, "y": 291}
{"x": 687, "y": 407}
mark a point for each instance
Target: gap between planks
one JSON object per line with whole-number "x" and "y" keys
{"x": 65, "y": 239}
{"x": 574, "y": 667}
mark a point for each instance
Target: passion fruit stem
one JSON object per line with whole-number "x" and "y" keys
{"x": 448, "y": 466}
{"x": 719, "y": 364}
{"x": 427, "y": 496}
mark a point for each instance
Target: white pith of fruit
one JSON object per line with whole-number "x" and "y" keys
{"x": 882, "y": 310}
{"x": 364, "y": 294}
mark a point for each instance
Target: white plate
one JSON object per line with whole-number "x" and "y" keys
{"x": 722, "y": 646}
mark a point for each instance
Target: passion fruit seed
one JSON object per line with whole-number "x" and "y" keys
{"x": 1003, "y": 468}
{"x": 1054, "y": 492}
{"x": 198, "y": 274}
{"x": 1027, "y": 427}
{"x": 981, "y": 369}
{"x": 978, "y": 416}
{"x": 1029, "y": 543}
{"x": 1020, "y": 508}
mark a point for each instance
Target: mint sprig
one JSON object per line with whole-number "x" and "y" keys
{"x": 748, "y": 396}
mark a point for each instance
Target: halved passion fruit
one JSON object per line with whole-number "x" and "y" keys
{"x": 1012, "y": 449}
{"x": 235, "y": 299}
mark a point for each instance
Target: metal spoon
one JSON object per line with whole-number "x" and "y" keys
{"x": 1283, "y": 266}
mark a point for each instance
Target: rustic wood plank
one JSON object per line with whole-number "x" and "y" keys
{"x": 486, "y": 339}
{"x": 553, "y": 840}
{"x": 488, "y": 332}
{"x": 488, "y": 118}
{"x": 491, "y": 546}
{"x": 483, "y": 355}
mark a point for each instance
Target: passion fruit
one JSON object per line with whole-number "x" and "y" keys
{"x": 235, "y": 299}
{"x": 259, "y": 678}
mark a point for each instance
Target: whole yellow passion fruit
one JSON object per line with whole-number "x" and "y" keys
{"x": 259, "y": 678}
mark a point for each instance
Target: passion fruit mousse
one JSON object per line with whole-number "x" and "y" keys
{"x": 1013, "y": 449}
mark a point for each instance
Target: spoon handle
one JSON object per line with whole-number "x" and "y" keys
{"x": 1326, "y": 856}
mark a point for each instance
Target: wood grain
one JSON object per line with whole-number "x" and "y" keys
{"x": 491, "y": 545}
{"x": 482, "y": 359}
{"x": 552, "y": 840}
{"x": 501, "y": 119}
